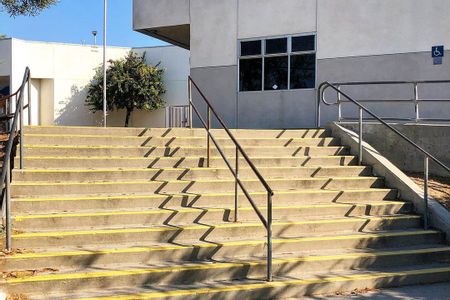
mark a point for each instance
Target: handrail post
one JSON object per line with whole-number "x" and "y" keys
{"x": 425, "y": 193}
{"x": 21, "y": 129}
{"x": 416, "y": 101}
{"x": 190, "y": 102}
{"x": 360, "y": 150}
{"x": 339, "y": 104}
{"x": 319, "y": 97}
{"x": 29, "y": 101}
{"x": 7, "y": 204}
{"x": 269, "y": 237}
{"x": 236, "y": 200}
{"x": 208, "y": 140}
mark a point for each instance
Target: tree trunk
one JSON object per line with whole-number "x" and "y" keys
{"x": 127, "y": 119}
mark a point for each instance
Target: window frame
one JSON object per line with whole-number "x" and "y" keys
{"x": 289, "y": 53}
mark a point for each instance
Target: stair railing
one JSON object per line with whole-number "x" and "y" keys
{"x": 12, "y": 129}
{"x": 267, "y": 222}
{"x": 361, "y": 109}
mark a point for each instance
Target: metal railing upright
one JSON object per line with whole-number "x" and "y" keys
{"x": 266, "y": 221}
{"x": 12, "y": 128}
{"x": 362, "y": 109}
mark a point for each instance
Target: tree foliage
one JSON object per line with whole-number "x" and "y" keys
{"x": 131, "y": 84}
{"x": 26, "y": 7}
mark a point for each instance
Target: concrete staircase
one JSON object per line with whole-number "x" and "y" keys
{"x": 134, "y": 214}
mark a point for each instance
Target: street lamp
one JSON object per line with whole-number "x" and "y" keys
{"x": 94, "y": 33}
{"x": 104, "y": 62}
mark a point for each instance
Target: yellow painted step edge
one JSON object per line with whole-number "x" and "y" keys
{"x": 274, "y": 284}
{"x": 202, "y": 227}
{"x": 184, "y": 157}
{"x": 165, "y": 138}
{"x": 220, "y": 265}
{"x": 68, "y": 183}
{"x": 169, "y": 211}
{"x": 384, "y": 190}
{"x": 164, "y": 147}
{"x": 122, "y": 170}
{"x": 223, "y": 244}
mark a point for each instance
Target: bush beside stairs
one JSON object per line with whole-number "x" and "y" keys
{"x": 127, "y": 213}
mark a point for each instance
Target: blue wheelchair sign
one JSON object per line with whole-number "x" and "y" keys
{"x": 437, "y": 51}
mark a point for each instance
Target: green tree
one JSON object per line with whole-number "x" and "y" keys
{"x": 26, "y": 7}
{"x": 131, "y": 84}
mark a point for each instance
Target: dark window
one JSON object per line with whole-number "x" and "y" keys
{"x": 250, "y": 74}
{"x": 251, "y": 48}
{"x": 303, "y": 43}
{"x": 303, "y": 71}
{"x": 276, "y": 73}
{"x": 274, "y": 46}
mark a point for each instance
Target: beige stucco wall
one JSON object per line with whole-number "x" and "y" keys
{"x": 61, "y": 73}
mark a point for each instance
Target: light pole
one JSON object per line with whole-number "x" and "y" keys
{"x": 104, "y": 62}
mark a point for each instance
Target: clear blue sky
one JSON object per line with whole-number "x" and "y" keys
{"x": 71, "y": 21}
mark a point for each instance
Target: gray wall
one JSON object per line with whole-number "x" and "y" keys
{"x": 356, "y": 41}
{"x": 433, "y": 138}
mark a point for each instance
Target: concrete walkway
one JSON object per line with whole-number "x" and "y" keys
{"x": 419, "y": 292}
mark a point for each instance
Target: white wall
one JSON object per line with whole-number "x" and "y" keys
{"x": 63, "y": 71}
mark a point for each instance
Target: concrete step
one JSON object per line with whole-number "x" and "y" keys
{"x": 141, "y": 253}
{"x": 281, "y": 288}
{"x": 192, "y": 273}
{"x": 175, "y": 132}
{"x": 48, "y": 175}
{"x": 71, "y": 203}
{"x": 211, "y": 232}
{"x": 156, "y": 141}
{"x": 138, "y": 151}
{"x": 23, "y": 189}
{"x": 154, "y": 217}
{"x": 61, "y": 162}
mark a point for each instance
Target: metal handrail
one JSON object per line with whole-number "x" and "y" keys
{"x": 6, "y": 170}
{"x": 416, "y": 100}
{"x": 234, "y": 171}
{"x": 321, "y": 98}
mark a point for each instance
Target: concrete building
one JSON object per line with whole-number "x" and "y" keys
{"x": 60, "y": 74}
{"x": 260, "y": 61}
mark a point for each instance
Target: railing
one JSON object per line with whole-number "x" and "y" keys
{"x": 321, "y": 98}
{"x": 17, "y": 97}
{"x": 416, "y": 100}
{"x": 177, "y": 116}
{"x": 234, "y": 171}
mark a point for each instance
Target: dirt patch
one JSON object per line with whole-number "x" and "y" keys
{"x": 16, "y": 297}
{"x": 438, "y": 187}
{"x": 356, "y": 292}
{"x": 26, "y": 273}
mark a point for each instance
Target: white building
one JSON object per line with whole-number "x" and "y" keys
{"x": 61, "y": 72}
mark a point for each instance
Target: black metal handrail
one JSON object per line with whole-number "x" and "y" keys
{"x": 234, "y": 171}
{"x": 6, "y": 170}
{"x": 321, "y": 98}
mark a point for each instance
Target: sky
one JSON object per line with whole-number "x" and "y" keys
{"x": 72, "y": 21}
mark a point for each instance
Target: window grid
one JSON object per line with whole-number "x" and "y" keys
{"x": 289, "y": 53}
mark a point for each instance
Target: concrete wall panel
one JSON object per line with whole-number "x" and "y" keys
{"x": 281, "y": 109}
{"x": 213, "y": 33}
{"x": 219, "y": 85}
{"x": 261, "y": 18}
{"x": 406, "y": 67}
{"x": 371, "y": 27}
{"x": 157, "y": 13}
